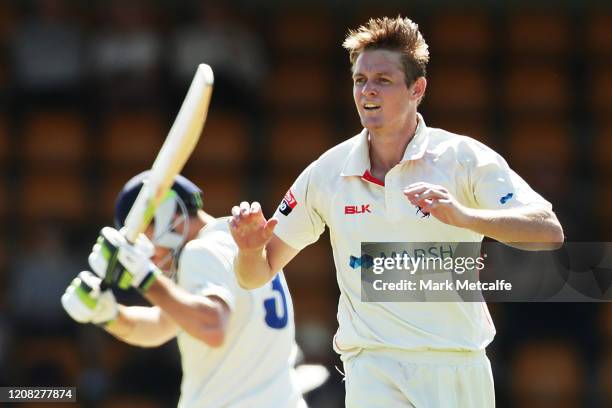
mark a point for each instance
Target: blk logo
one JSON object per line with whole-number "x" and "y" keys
{"x": 357, "y": 209}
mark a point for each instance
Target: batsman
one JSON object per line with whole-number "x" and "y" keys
{"x": 237, "y": 346}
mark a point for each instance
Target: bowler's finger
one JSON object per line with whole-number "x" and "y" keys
{"x": 414, "y": 195}
{"x": 255, "y": 207}
{"x": 244, "y": 208}
{"x": 431, "y": 194}
{"x": 414, "y": 191}
{"x": 418, "y": 184}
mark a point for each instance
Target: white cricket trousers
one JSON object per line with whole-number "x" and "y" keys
{"x": 422, "y": 379}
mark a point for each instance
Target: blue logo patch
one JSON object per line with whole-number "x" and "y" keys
{"x": 505, "y": 198}
{"x": 365, "y": 261}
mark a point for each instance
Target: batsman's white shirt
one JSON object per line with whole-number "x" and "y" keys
{"x": 255, "y": 365}
{"x": 338, "y": 190}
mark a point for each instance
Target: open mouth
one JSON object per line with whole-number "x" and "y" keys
{"x": 371, "y": 107}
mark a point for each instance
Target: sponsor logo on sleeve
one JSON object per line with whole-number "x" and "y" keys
{"x": 288, "y": 203}
{"x": 506, "y": 198}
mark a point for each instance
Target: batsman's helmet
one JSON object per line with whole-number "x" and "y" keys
{"x": 184, "y": 197}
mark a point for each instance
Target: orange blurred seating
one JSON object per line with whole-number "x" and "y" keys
{"x": 4, "y": 257}
{"x": 539, "y": 34}
{"x": 5, "y": 199}
{"x": 57, "y": 194}
{"x": 600, "y": 92}
{"x": 5, "y": 139}
{"x": 60, "y": 351}
{"x": 297, "y": 140}
{"x": 315, "y": 306}
{"x": 303, "y": 32}
{"x": 299, "y": 84}
{"x": 605, "y": 378}
{"x": 599, "y": 34}
{"x": 540, "y": 141}
{"x": 277, "y": 182}
{"x": 605, "y": 319}
{"x": 541, "y": 152}
{"x": 547, "y": 374}
{"x": 460, "y": 34}
{"x": 457, "y": 88}
{"x": 132, "y": 138}
{"x": 8, "y": 21}
{"x": 602, "y": 148}
{"x": 225, "y": 141}
{"x": 52, "y": 138}
{"x": 113, "y": 356}
{"x": 221, "y": 190}
{"x": 110, "y": 186}
{"x": 4, "y": 75}
{"x": 294, "y": 143}
{"x": 539, "y": 88}
{"x": 312, "y": 267}
{"x": 604, "y": 220}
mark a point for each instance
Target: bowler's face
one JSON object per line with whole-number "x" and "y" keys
{"x": 380, "y": 91}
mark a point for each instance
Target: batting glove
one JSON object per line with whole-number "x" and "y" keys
{"x": 85, "y": 302}
{"x": 122, "y": 264}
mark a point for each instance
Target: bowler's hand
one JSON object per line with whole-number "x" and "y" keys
{"x": 249, "y": 227}
{"x": 438, "y": 202}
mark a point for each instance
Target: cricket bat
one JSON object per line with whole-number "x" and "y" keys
{"x": 174, "y": 153}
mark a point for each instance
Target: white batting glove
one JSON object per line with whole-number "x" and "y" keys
{"x": 122, "y": 264}
{"x": 85, "y": 302}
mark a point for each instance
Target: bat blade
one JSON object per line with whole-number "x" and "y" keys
{"x": 174, "y": 153}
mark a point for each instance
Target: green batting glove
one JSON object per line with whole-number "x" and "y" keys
{"x": 122, "y": 264}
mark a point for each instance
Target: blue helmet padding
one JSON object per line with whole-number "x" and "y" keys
{"x": 188, "y": 192}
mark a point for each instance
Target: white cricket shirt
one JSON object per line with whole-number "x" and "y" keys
{"x": 255, "y": 365}
{"x": 338, "y": 190}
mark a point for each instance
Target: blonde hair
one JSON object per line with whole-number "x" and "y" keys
{"x": 393, "y": 34}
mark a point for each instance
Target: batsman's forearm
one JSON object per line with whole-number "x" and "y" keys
{"x": 141, "y": 326}
{"x": 252, "y": 269}
{"x": 528, "y": 228}
{"x": 202, "y": 317}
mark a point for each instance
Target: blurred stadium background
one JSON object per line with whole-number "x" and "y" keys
{"x": 88, "y": 91}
